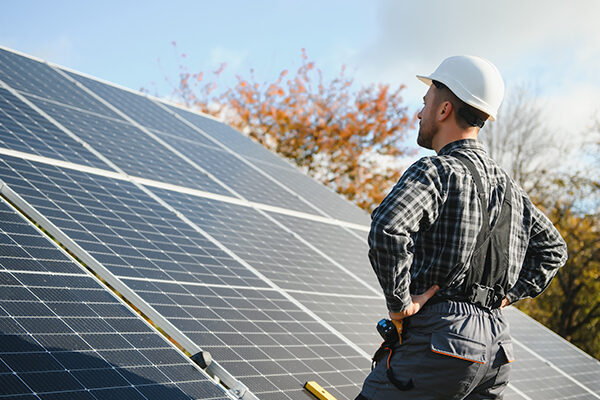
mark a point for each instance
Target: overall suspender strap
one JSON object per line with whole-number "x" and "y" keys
{"x": 486, "y": 280}
{"x": 484, "y": 232}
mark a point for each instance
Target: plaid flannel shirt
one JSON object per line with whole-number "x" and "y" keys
{"x": 424, "y": 232}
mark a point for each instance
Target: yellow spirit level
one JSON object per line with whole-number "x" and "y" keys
{"x": 318, "y": 391}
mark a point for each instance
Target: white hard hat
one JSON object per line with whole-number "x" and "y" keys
{"x": 474, "y": 80}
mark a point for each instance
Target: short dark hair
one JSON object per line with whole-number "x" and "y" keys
{"x": 466, "y": 115}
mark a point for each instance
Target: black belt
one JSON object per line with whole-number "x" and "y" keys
{"x": 489, "y": 304}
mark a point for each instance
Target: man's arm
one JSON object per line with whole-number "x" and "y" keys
{"x": 546, "y": 253}
{"x": 412, "y": 204}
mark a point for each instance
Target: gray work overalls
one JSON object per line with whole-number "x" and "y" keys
{"x": 457, "y": 347}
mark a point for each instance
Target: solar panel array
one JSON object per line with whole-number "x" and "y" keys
{"x": 63, "y": 335}
{"x": 224, "y": 245}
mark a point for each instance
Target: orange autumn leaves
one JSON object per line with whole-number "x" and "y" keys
{"x": 345, "y": 137}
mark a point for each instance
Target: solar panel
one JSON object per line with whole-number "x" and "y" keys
{"x": 272, "y": 250}
{"x": 192, "y": 284}
{"x": 347, "y": 247}
{"x": 141, "y": 109}
{"x": 355, "y": 315}
{"x": 64, "y": 336}
{"x": 251, "y": 184}
{"x": 127, "y": 147}
{"x": 322, "y": 197}
{"x": 121, "y": 227}
{"x": 551, "y": 348}
{"x": 23, "y": 129}
{"x": 260, "y": 336}
{"x": 538, "y": 380}
{"x": 325, "y": 289}
{"x": 231, "y": 138}
{"x": 37, "y": 79}
{"x": 253, "y": 267}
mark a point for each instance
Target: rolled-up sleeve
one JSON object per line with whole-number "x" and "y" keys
{"x": 413, "y": 204}
{"x": 546, "y": 253}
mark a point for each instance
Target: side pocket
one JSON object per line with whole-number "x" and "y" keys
{"x": 457, "y": 346}
{"x": 507, "y": 348}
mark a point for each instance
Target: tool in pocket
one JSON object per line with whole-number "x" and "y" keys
{"x": 391, "y": 332}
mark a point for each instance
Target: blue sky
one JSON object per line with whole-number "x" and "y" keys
{"x": 555, "y": 45}
{"x": 122, "y": 41}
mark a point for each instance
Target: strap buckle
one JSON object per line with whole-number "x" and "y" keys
{"x": 486, "y": 297}
{"x": 482, "y": 296}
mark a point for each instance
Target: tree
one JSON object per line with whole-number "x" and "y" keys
{"x": 571, "y": 304}
{"x": 522, "y": 143}
{"x": 344, "y": 137}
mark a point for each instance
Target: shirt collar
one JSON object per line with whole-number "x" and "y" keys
{"x": 466, "y": 144}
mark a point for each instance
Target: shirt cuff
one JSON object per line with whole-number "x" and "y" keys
{"x": 399, "y": 304}
{"x": 513, "y": 297}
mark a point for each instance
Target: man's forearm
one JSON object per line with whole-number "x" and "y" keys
{"x": 394, "y": 279}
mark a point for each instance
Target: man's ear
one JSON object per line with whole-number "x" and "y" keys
{"x": 444, "y": 111}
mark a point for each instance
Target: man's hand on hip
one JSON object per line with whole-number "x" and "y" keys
{"x": 418, "y": 301}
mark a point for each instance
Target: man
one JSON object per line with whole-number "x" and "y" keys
{"x": 454, "y": 242}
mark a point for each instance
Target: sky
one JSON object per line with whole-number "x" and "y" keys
{"x": 551, "y": 45}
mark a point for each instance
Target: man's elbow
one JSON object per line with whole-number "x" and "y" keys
{"x": 556, "y": 251}
{"x": 377, "y": 233}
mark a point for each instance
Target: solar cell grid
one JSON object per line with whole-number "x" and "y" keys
{"x": 555, "y": 349}
{"x": 511, "y": 394}
{"x": 36, "y": 78}
{"x": 238, "y": 325}
{"x": 259, "y": 336}
{"x": 235, "y": 173}
{"x": 349, "y": 251}
{"x": 63, "y": 336}
{"x": 121, "y": 227}
{"x": 276, "y": 253}
{"x": 322, "y": 197}
{"x": 355, "y": 314}
{"x": 352, "y": 315}
{"x": 540, "y": 381}
{"x": 229, "y": 137}
{"x": 362, "y": 233}
{"x": 23, "y": 129}
{"x": 130, "y": 149}
{"x": 143, "y": 110}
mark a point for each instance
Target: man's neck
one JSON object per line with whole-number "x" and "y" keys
{"x": 445, "y": 137}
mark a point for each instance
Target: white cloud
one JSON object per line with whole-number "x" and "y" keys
{"x": 572, "y": 110}
{"x": 524, "y": 39}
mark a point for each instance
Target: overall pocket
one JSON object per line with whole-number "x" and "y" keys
{"x": 457, "y": 346}
{"x": 448, "y": 367}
